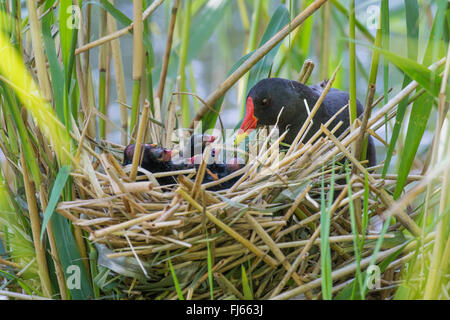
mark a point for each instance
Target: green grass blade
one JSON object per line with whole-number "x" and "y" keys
{"x": 12, "y": 107}
{"x": 65, "y": 31}
{"x": 325, "y": 251}
{"x": 385, "y": 44}
{"x": 175, "y": 281}
{"x": 433, "y": 51}
{"x": 429, "y": 80}
{"x": 55, "y": 69}
{"x": 76, "y": 276}
{"x": 117, "y": 14}
{"x": 210, "y": 275}
{"x": 418, "y": 120}
{"x": 204, "y": 25}
{"x": 421, "y": 109}
{"x": 412, "y": 27}
{"x": 57, "y": 190}
{"x": 352, "y": 62}
{"x": 185, "y": 110}
{"x": 356, "y": 240}
{"x": 248, "y": 295}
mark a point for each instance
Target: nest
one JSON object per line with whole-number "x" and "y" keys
{"x": 266, "y": 226}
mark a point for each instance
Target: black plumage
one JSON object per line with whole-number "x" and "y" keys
{"x": 266, "y": 99}
{"x": 156, "y": 159}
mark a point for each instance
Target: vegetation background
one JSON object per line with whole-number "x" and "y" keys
{"x": 56, "y": 80}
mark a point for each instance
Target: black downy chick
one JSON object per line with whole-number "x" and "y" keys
{"x": 197, "y": 144}
{"x": 155, "y": 159}
{"x": 215, "y": 170}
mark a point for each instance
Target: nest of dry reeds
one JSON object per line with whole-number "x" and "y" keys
{"x": 269, "y": 222}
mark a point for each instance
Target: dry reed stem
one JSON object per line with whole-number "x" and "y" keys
{"x": 201, "y": 172}
{"x": 54, "y": 251}
{"x": 120, "y": 78}
{"x": 33, "y": 212}
{"x": 305, "y": 72}
{"x": 103, "y": 232}
{"x": 258, "y": 252}
{"x": 374, "y": 121}
{"x": 404, "y": 219}
{"x": 170, "y": 123}
{"x": 227, "y": 285}
{"x": 121, "y": 32}
{"x": 165, "y": 64}
{"x": 346, "y": 270}
{"x": 36, "y": 36}
{"x": 255, "y": 57}
{"x": 366, "y": 116}
{"x": 313, "y": 112}
{"x": 21, "y": 296}
{"x": 296, "y": 263}
{"x": 138, "y": 149}
{"x": 272, "y": 245}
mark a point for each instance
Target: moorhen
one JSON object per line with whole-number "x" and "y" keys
{"x": 266, "y": 99}
{"x": 155, "y": 159}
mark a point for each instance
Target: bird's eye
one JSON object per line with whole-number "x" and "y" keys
{"x": 265, "y": 101}
{"x": 158, "y": 154}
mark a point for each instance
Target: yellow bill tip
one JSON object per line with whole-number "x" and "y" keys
{"x": 239, "y": 138}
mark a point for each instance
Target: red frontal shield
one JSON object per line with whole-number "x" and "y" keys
{"x": 249, "y": 122}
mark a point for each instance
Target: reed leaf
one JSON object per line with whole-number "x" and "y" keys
{"x": 429, "y": 80}
{"x": 261, "y": 70}
{"x": 352, "y": 62}
{"x": 412, "y": 27}
{"x": 57, "y": 190}
{"x": 56, "y": 71}
{"x": 325, "y": 251}
{"x": 356, "y": 240}
{"x": 248, "y": 295}
{"x": 421, "y": 110}
{"x": 385, "y": 44}
{"x": 113, "y": 11}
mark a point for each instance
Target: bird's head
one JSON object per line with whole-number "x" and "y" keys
{"x": 267, "y": 99}
{"x": 153, "y": 155}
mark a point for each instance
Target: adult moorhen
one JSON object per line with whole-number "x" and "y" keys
{"x": 266, "y": 99}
